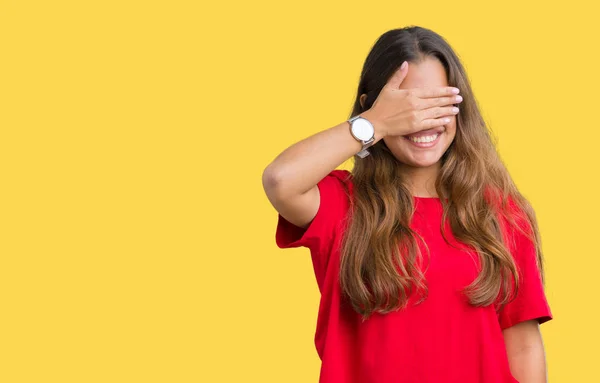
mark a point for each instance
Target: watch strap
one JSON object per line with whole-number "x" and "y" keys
{"x": 365, "y": 144}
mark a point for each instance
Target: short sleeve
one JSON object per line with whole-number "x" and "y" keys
{"x": 320, "y": 234}
{"x": 530, "y": 302}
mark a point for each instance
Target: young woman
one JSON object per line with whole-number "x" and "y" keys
{"x": 427, "y": 257}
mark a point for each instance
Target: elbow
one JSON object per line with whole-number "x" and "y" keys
{"x": 272, "y": 182}
{"x": 281, "y": 183}
{"x": 270, "y": 179}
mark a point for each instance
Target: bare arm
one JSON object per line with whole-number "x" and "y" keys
{"x": 525, "y": 351}
{"x": 290, "y": 180}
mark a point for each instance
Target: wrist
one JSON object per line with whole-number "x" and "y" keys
{"x": 377, "y": 125}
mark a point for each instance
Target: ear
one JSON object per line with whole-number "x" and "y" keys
{"x": 362, "y": 99}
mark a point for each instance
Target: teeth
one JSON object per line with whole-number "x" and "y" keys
{"x": 424, "y": 138}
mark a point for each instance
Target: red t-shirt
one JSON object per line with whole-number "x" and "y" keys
{"x": 444, "y": 339}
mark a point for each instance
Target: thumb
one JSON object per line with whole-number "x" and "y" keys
{"x": 398, "y": 76}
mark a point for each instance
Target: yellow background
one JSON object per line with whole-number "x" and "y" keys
{"x": 137, "y": 244}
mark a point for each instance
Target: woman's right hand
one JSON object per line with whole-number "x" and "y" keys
{"x": 399, "y": 112}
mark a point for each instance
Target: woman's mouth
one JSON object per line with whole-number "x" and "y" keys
{"x": 424, "y": 141}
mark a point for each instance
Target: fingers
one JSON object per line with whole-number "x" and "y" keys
{"x": 438, "y": 101}
{"x": 431, "y": 92}
{"x": 435, "y": 122}
{"x": 398, "y": 76}
{"x": 439, "y": 112}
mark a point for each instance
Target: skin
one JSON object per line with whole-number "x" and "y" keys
{"x": 421, "y": 165}
{"x": 523, "y": 341}
{"x": 290, "y": 183}
{"x": 525, "y": 350}
{"x": 290, "y": 180}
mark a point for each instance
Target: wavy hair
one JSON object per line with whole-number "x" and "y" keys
{"x": 380, "y": 253}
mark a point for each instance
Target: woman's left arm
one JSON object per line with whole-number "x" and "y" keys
{"x": 525, "y": 350}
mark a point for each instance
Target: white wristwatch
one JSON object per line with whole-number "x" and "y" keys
{"x": 362, "y": 130}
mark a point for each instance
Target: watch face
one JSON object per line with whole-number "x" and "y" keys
{"x": 362, "y": 129}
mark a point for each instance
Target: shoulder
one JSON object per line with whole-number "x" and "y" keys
{"x": 338, "y": 179}
{"x": 519, "y": 231}
{"x": 343, "y": 175}
{"x": 514, "y": 214}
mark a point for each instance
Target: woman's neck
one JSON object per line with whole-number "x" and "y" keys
{"x": 421, "y": 180}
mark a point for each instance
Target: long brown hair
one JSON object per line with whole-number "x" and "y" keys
{"x": 379, "y": 255}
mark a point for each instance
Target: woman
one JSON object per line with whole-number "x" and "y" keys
{"x": 427, "y": 257}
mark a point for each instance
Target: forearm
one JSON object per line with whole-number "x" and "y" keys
{"x": 529, "y": 365}
{"x": 301, "y": 166}
{"x": 526, "y": 355}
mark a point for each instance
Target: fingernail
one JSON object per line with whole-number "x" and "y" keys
{"x": 455, "y": 90}
{"x": 403, "y": 66}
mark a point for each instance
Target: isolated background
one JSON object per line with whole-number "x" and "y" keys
{"x": 136, "y": 241}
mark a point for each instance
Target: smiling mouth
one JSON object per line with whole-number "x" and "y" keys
{"x": 425, "y": 139}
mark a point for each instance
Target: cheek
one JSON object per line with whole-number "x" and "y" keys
{"x": 451, "y": 129}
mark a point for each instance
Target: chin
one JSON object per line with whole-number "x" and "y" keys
{"x": 420, "y": 160}
{"x": 421, "y": 164}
